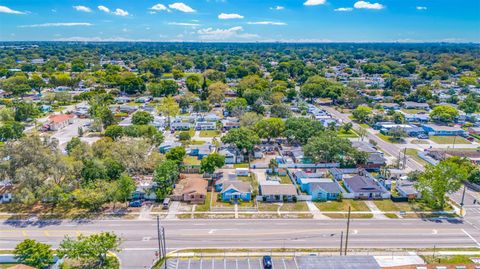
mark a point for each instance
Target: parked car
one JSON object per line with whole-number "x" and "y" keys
{"x": 166, "y": 203}
{"x": 136, "y": 203}
{"x": 267, "y": 262}
{"x": 471, "y": 138}
{"x": 422, "y": 136}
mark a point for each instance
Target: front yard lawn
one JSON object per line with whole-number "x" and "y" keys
{"x": 455, "y": 259}
{"x": 240, "y": 165}
{"x": 449, "y": 139}
{"x": 209, "y": 133}
{"x": 267, "y": 206}
{"x": 191, "y": 160}
{"x": 389, "y": 205}
{"x": 330, "y": 206}
{"x": 349, "y": 134}
{"x": 285, "y": 180}
{"x": 389, "y": 139}
{"x": 413, "y": 110}
{"x": 414, "y": 154}
{"x": 298, "y": 206}
{"x": 205, "y": 206}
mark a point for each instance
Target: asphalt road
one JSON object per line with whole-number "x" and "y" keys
{"x": 140, "y": 236}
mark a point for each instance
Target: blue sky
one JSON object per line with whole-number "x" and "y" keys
{"x": 242, "y": 20}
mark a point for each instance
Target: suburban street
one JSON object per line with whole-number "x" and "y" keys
{"x": 388, "y": 148}
{"x": 140, "y": 243}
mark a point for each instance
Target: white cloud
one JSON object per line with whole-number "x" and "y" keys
{"x": 181, "y": 7}
{"x": 421, "y": 8}
{"x": 120, "y": 12}
{"x": 266, "y": 23}
{"x": 314, "y": 2}
{"x": 343, "y": 9}
{"x": 4, "y": 9}
{"x": 184, "y": 24}
{"x": 159, "y": 7}
{"x": 225, "y": 16}
{"x": 368, "y": 5}
{"x": 104, "y": 9}
{"x": 224, "y": 34}
{"x": 82, "y": 8}
{"x": 57, "y": 24}
{"x": 277, "y": 8}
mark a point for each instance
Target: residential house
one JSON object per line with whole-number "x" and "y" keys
{"x": 474, "y": 130}
{"x": 230, "y": 124}
{"x": 390, "y": 106}
{"x": 409, "y": 129}
{"x": 6, "y": 195}
{"x": 415, "y": 105}
{"x": 236, "y": 191}
{"x": 365, "y": 187}
{"x": 418, "y": 117}
{"x": 406, "y": 188}
{"x": 441, "y": 130}
{"x": 205, "y": 125}
{"x": 232, "y": 155}
{"x": 340, "y": 174}
{"x": 199, "y": 151}
{"x": 325, "y": 190}
{"x": 278, "y": 192}
{"x": 375, "y": 159}
{"x": 167, "y": 145}
{"x": 194, "y": 190}
{"x": 60, "y": 121}
{"x": 180, "y": 125}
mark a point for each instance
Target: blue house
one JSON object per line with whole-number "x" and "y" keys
{"x": 433, "y": 129}
{"x": 236, "y": 191}
{"x": 323, "y": 191}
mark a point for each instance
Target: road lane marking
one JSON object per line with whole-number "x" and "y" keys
{"x": 46, "y": 233}
{"x": 471, "y": 237}
{"x": 434, "y": 231}
{"x": 24, "y": 233}
{"x": 355, "y": 231}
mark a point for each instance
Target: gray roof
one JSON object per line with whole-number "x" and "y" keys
{"x": 362, "y": 184}
{"x": 337, "y": 262}
{"x": 407, "y": 187}
{"x": 278, "y": 189}
{"x": 329, "y": 187}
{"x": 239, "y": 186}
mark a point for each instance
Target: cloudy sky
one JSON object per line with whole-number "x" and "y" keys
{"x": 241, "y": 20}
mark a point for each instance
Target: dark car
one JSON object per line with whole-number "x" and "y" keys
{"x": 422, "y": 136}
{"x": 267, "y": 262}
{"x": 136, "y": 203}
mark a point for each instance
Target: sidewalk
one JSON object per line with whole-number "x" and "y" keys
{"x": 377, "y": 213}
{"x": 315, "y": 211}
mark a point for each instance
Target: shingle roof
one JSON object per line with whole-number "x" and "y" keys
{"x": 329, "y": 187}
{"x": 240, "y": 186}
{"x": 362, "y": 184}
{"x": 278, "y": 189}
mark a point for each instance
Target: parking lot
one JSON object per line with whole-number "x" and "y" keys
{"x": 230, "y": 263}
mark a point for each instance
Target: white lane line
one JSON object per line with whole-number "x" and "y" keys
{"x": 189, "y": 260}
{"x": 284, "y": 265}
{"x": 213, "y": 263}
{"x": 201, "y": 263}
{"x": 434, "y": 231}
{"x": 296, "y": 264}
{"x": 471, "y": 237}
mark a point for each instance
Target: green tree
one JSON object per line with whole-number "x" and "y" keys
{"x": 397, "y": 133}
{"x": 236, "y": 107}
{"x": 168, "y": 107}
{"x": 164, "y": 88}
{"x": 11, "y": 130}
{"x": 91, "y": 250}
{"x": 212, "y": 162}
{"x": 362, "y": 113}
{"x": 444, "y": 113}
{"x": 242, "y": 138}
{"x": 125, "y": 187}
{"x": 72, "y": 144}
{"x": 402, "y": 85}
{"x": 165, "y": 175}
{"x": 142, "y": 118}
{"x": 176, "y": 154}
{"x": 327, "y": 147}
{"x": 114, "y": 132}
{"x": 470, "y": 103}
{"x": 270, "y": 128}
{"x": 193, "y": 83}
{"x": 444, "y": 178}
{"x": 131, "y": 84}
{"x": 33, "y": 253}
{"x": 280, "y": 111}
{"x": 300, "y": 130}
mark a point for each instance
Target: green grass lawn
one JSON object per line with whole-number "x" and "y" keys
{"x": 240, "y": 165}
{"x": 356, "y": 205}
{"x": 349, "y": 134}
{"x": 298, "y": 206}
{"x": 285, "y": 180}
{"x": 209, "y": 133}
{"x": 191, "y": 160}
{"x": 388, "y": 139}
{"x": 352, "y": 215}
{"x": 449, "y": 140}
{"x": 418, "y": 141}
{"x": 196, "y": 142}
{"x": 413, "y": 111}
{"x": 267, "y": 206}
{"x": 454, "y": 259}
{"x": 389, "y": 205}
{"x": 414, "y": 154}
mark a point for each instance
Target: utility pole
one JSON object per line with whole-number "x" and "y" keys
{"x": 463, "y": 199}
{"x": 454, "y": 139}
{"x": 341, "y": 242}
{"x": 159, "y": 239}
{"x": 404, "y": 157}
{"x": 348, "y": 229}
{"x": 164, "y": 248}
